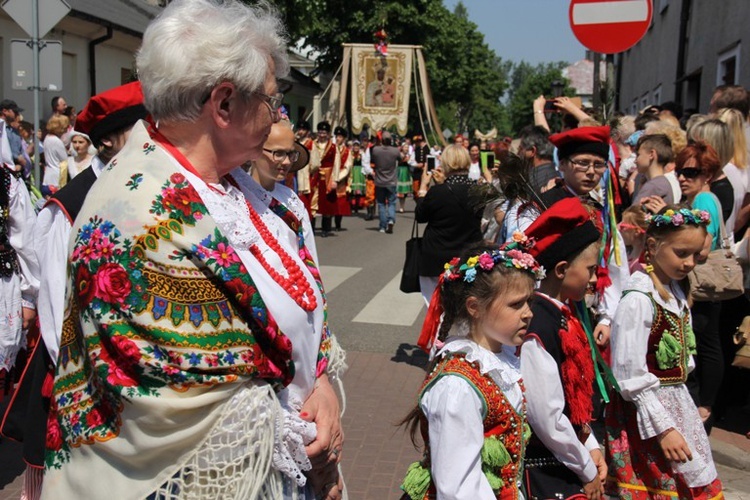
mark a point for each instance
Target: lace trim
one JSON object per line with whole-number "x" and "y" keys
{"x": 504, "y": 368}
{"x": 289, "y": 455}
{"x": 652, "y": 417}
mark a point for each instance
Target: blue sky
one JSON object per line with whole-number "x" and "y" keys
{"x": 532, "y": 30}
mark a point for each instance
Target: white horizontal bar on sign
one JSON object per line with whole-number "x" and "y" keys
{"x": 625, "y": 11}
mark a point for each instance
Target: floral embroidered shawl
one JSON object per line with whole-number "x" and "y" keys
{"x": 164, "y": 326}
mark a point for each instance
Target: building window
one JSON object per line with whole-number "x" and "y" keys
{"x": 728, "y": 62}
{"x": 644, "y": 101}
{"x": 656, "y": 96}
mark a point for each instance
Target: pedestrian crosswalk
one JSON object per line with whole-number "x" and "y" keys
{"x": 389, "y": 306}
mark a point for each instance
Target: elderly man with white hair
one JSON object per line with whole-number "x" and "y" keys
{"x": 196, "y": 360}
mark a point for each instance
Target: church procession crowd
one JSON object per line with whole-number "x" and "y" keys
{"x": 164, "y": 326}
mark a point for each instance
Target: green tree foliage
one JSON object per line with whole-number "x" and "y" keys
{"x": 529, "y": 82}
{"x": 471, "y": 85}
{"x": 466, "y": 77}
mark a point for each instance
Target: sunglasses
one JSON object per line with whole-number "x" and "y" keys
{"x": 688, "y": 173}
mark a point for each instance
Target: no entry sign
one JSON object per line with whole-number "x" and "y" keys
{"x": 610, "y": 26}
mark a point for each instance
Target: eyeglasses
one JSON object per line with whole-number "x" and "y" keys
{"x": 279, "y": 155}
{"x": 272, "y": 101}
{"x": 584, "y": 166}
{"x": 688, "y": 173}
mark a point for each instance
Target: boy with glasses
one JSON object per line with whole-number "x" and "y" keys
{"x": 584, "y": 154}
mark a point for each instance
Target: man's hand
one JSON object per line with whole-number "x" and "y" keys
{"x": 322, "y": 408}
{"x": 675, "y": 447}
{"x": 601, "y": 334}
{"x": 28, "y": 317}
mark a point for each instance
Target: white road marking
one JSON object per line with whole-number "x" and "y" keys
{"x": 391, "y": 306}
{"x": 625, "y": 11}
{"x": 333, "y": 276}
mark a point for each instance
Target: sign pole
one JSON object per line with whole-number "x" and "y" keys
{"x": 35, "y": 52}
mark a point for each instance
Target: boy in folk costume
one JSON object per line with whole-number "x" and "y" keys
{"x": 343, "y": 178}
{"x": 325, "y": 163}
{"x": 583, "y": 154}
{"x": 563, "y": 459}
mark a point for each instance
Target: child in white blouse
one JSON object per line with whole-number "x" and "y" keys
{"x": 471, "y": 409}
{"x": 656, "y": 443}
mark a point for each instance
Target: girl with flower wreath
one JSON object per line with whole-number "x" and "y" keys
{"x": 472, "y": 411}
{"x": 657, "y": 446}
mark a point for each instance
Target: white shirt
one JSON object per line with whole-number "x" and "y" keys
{"x": 52, "y": 236}
{"x": 55, "y": 153}
{"x": 455, "y": 416}
{"x": 545, "y": 402}
{"x": 675, "y": 185}
{"x": 738, "y": 179}
{"x": 630, "y": 331}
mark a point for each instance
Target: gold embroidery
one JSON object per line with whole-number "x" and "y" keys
{"x": 182, "y": 289}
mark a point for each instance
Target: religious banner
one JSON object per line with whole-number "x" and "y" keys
{"x": 380, "y": 87}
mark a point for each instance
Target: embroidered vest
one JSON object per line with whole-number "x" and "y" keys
{"x": 8, "y": 257}
{"x": 504, "y": 428}
{"x": 670, "y": 343}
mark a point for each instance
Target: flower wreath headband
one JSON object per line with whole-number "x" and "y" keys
{"x": 510, "y": 255}
{"x": 513, "y": 255}
{"x": 679, "y": 218}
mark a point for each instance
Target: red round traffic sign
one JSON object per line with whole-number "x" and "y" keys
{"x": 610, "y": 26}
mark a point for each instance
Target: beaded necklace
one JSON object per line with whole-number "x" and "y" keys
{"x": 295, "y": 285}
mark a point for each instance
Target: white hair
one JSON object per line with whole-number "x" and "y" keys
{"x": 196, "y": 44}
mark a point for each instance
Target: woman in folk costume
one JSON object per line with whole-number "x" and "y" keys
{"x": 325, "y": 166}
{"x": 563, "y": 459}
{"x": 343, "y": 178}
{"x": 657, "y": 446}
{"x": 471, "y": 410}
{"x": 358, "y": 179}
{"x": 177, "y": 378}
{"x": 19, "y": 269}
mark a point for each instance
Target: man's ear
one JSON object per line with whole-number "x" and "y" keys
{"x": 561, "y": 269}
{"x": 472, "y": 306}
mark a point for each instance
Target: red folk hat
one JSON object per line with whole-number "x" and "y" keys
{"x": 594, "y": 140}
{"x": 111, "y": 111}
{"x": 561, "y": 231}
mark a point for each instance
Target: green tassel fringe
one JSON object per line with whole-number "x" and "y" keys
{"x": 417, "y": 481}
{"x": 494, "y": 453}
{"x": 496, "y": 482}
{"x": 668, "y": 353}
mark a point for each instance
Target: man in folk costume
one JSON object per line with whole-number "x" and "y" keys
{"x": 325, "y": 164}
{"x": 344, "y": 177}
{"x": 197, "y": 338}
{"x": 563, "y": 457}
{"x": 107, "y": 119}
{"x": 583, "y": 153}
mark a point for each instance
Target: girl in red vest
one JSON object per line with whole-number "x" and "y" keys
{"x": 471, "y": 410}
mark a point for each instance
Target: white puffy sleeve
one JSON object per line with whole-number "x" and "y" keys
{"x": 51, "y": 234}
{"x": 21, "y": 238}
{"x": 454, "y": 414}
{"x": 630, "y": 332}
{"x": 545, "y": 402}
{"x": 619, "y": 276}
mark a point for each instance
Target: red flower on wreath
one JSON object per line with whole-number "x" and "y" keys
{"x": 112, "y": 283}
